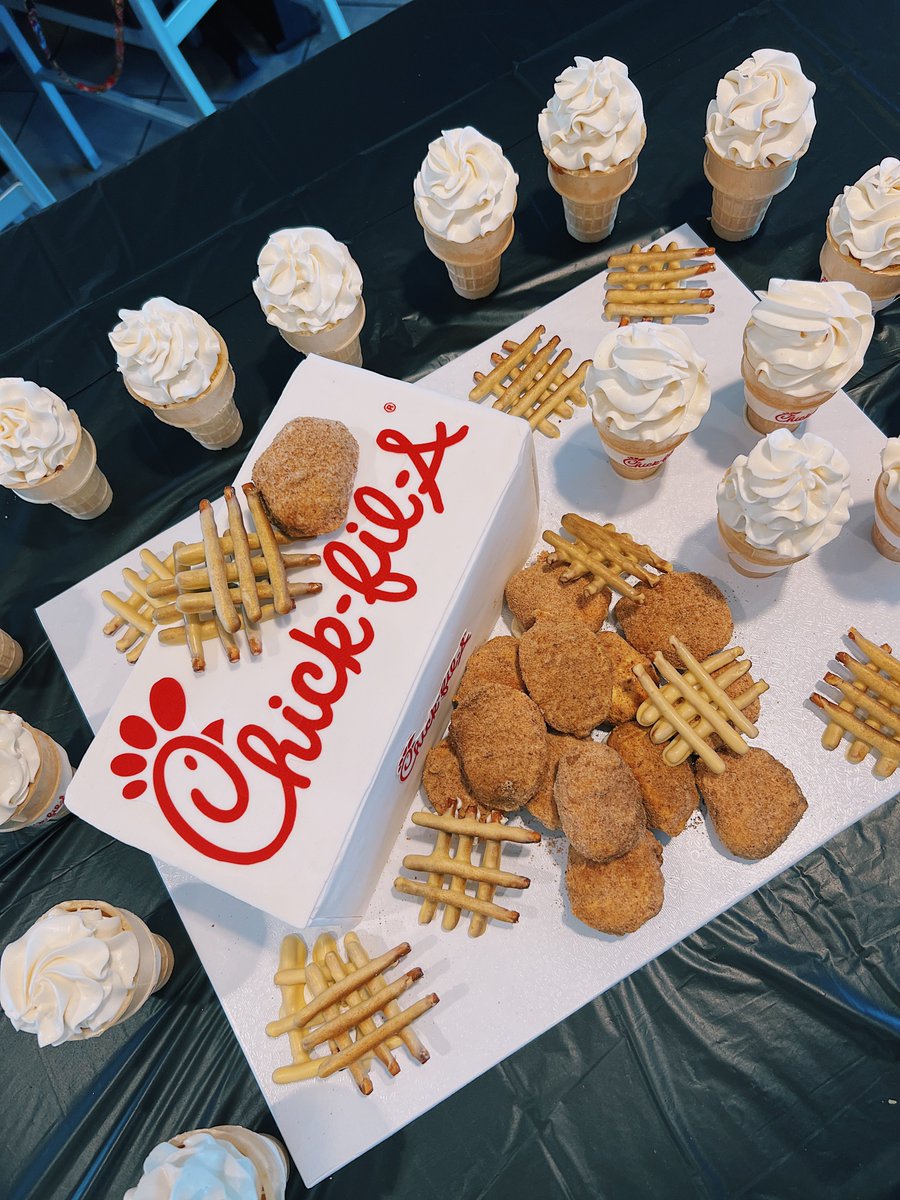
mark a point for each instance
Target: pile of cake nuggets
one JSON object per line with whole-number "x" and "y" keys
{"x": 678, "y": 706}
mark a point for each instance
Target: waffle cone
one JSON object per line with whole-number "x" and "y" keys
{"x": 266, "y": 1153}
{"x": 741, "y": 195}
{"x": 886, "y": 526}
{"x": 591, "y": 198}
{"x": 636, "y": 459}
{"x": 880, "y": 286}
{"x": 767, "y": 409}
{"x": 43, "y": 802}
{"x": 339, "y": 342}
{"x": 10, "y": 655}
{"x": 473, "y": 267}
{"x": 78, "y": 487}
{"x": 155, "y": 958}
{"x": 212, "y": 418}
{"x": 752, "y": 561}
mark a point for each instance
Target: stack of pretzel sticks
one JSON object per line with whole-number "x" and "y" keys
{"x": 531, "y": 383}
{"x": 873, "y": 691}
{"x": 466, "y": 826}
{"x": 646, "y": 285}
{"x": 693, "y": 706}
{"x": 330, "y": 999}
{"x": 190, "y": 594}
{"x": 606, "y": 554}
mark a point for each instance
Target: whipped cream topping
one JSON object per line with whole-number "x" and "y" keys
{"x": 20, "y": 758}
{"x": 865, "y": 218}
{"x": 204, "y": 1168}
{"x": 37, "y": 432}
{"x": 594, "y": 119}
{"x": 68, "y": 975}
{"x": 307, "y": 280}
{"x": 763, "y": 113}
{"x": 890, "y": 465}
{"x": 790, "y": 494}
{"x": 806, "y": 338}
{"x": 465, "y": 187}
{"x": 647, "y": 383}
{"x": 166, "y": 352}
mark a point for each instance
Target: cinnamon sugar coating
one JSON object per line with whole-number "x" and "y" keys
{"x": 617, "y": 897}
{"x": 685, "y": 604}
{"x": 754, "y": 805}
{"x": 627, "y": 693}
{"x": 497, "y": 661}
{"x": 567, "y": 674}
{"x": 443, "y": 779}
{"x": 599, "y": 802}
{"x": 306, "y": 476}
{"x": 543, "y": 806}
{"x": 499, "y": 736}
{"x": 538, "y": 588}
{"x": 669, "y": 793}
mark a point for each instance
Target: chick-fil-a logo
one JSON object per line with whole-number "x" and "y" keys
{"x": 163, "y": 756}
{"x": 417, "y": 740}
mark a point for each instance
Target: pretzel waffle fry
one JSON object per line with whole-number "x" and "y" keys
{"x": 466, "y": 826}
{"x": 191, "y": 593}
{"x": 335, "y": 1000}
{"x": 606, "y": 554}
{"x": 874, "y": 693}
{"x": 531, "y": 383}
{"x": 647, "y": 284}
{"x": 693, "y": 705}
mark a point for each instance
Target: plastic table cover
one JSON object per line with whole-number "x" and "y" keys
{"x": 759, "y": 1058}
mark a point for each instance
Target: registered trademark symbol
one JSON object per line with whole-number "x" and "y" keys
{"x": 390, "y": 407}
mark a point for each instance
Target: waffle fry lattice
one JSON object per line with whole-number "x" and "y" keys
{"x": 531, "y": 382}
{"x": 606, "y": 554}
{"x": 874, "y": 692}
{"x": 334, "y": 1000}
{"x": 211, "y": 588}
{"x": 649, "y": 285}
{"x": 449, "y": 875}
{"x": 691, "y": 706}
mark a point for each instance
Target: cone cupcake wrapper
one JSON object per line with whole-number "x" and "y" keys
{"x": 473, "y": 267}
{"x": 11, "y": 656}
{"x": 741, "y": 195}
{"x": 637, "y": 459}
{"x": 44, "y": 802}
{"x": 339, "y": 342}
{"x": 591, "y": 198}
{"x": 212, "y": 418}
{"x": 78, "y": 487}
{"x": 886, "y": 525}
{"x": 882, "y": 287}
{"x": 767, "y": 410}
{"x": 752, "y": 561}
{"x": 266, "y": 1153}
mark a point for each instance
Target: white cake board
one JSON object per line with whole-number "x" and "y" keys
{"x": 791, "y": 625}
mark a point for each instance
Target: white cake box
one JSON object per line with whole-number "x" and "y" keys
{"x": 284, "y": 779}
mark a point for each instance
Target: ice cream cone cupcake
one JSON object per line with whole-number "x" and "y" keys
{"x": 174, "y": 363}
{"x": 862, "y": 235}
{"x": 225, "y": 1159}
{"x": 886, "y": 526}
{"x": 310, "y": 289}
{"x": 788, "y": 497}
{"x": 46, "y": 456}
{"x": 10, "y": 656}
{"x": 34, "y": 775}
{"x": 757, "y": 128}
{"x": 648, "y": 390}
{"x": 465, "y": 196}
{"x": 83, "y": 967}
{"x": 802, "y": 343}
{"x": 592, "y": 132}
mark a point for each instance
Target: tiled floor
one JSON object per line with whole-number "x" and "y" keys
{"x": 119, "y": 136}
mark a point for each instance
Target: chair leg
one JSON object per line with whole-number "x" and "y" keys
{"x": 24, "y": 171}
{"x": 32, "y": 67}
{"x": 177, "y": 65}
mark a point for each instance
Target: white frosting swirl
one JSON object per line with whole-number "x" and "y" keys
{"x": 763, "y": 113}
{"x": 20, "y": 758}
{"x": 789, "y": 494}
{"x": 37, "y": 432}
{"x": 647, "y": 383}
{"x": 307, "y": 280}
{"x": 465, "y": 187}
{"x": 204, "y": 1168}
{"x": 594, "y": 118}
{"x": 68, "y": 975}
{"x": 165, "y": 352}
{"x": 805, "y": 338}
{"x": 865, "y": 218}
{"x": 890, "y": 464}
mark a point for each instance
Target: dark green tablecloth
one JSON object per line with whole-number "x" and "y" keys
{"x": 760, "y": 1057}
